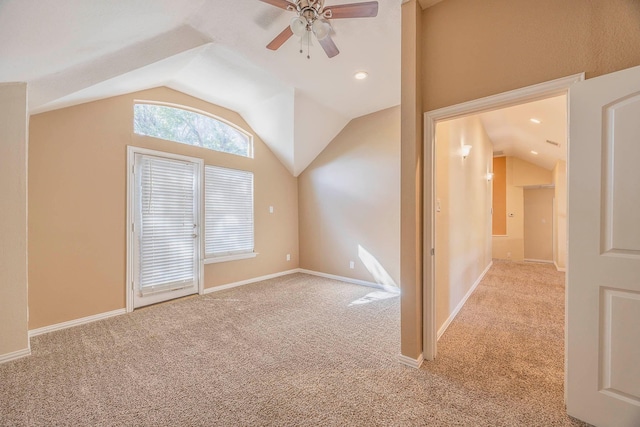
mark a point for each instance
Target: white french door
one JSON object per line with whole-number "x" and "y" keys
{"x": 603, "y": 293}
{"x": 164, "y": 210}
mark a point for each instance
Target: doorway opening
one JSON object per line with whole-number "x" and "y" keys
{"x": 432, "y": 328}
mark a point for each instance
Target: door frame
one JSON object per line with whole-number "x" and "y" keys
{"x": 131, "y": 183}
{"x": 507, "y": 99}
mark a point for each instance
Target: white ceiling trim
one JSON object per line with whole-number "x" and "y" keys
{"x": 76, "y": 51}
{"x": 96, "y": 79}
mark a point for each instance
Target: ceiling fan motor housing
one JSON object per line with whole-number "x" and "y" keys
{"x": 310, "y": 9}
{"x": 312, "y": 17}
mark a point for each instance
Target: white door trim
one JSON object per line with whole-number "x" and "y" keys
{"x": 506, "y": 99}
{"x": 131, "y": 152}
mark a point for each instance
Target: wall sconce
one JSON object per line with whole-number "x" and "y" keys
{"x": 489, "y": 176}
{"x": 465, "y": 150}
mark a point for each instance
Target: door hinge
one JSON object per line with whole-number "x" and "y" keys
{"x": 433, "y": 251}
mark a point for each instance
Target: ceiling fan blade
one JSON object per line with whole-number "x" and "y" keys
{"x": 367, "y": 9}
{"x": 329, "y": 46}
{"x": 280, "y": 39}
{"x": 282, "y": 4}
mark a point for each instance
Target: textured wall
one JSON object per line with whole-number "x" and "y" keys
{"x": 77, "y": 206}
{"x": 476, "y": 48}
{"x": 411, "y": 229}
{"x": 349, "y": 202}
{"x": 463, "y": 223}
{"x": 13, "y": 212}
{"x": 499, "y": 218}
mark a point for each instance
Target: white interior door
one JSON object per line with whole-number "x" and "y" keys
{"x": 603, "y": 293}
{"x": 165, "y": 232}
{"x": 538, "y": 224}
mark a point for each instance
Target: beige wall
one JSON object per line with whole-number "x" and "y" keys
{"x": 77, "y": 206}
{"x": 476, "y": 48}
{"x": 349, "y": 202}
{"x": 560, "y": 181}
{"x": 520, "y": 173}
{"x": 463, "y": 212}
{"x": 411, "y": 192}
{"x": 499, "y": 186}
{"x": 525, "y": 174}
{"x": 470, "y": 49}
{"x": 13, "y": 211}
{"x": 538, "y": 224}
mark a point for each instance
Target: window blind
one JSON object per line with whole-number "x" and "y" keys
{"x": 166, "y": 217}
{"x": 228, "y": 211}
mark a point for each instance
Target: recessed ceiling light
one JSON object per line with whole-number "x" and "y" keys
{"x": 361, "y": 75}
{"x": 536, "y": 121}
{"x": 535, "y": 153}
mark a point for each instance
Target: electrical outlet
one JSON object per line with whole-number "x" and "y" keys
{"x": 509, "y": 255}
{"x": 352, "y": 265}
{"x": 288, "y": 257}
{"x": 270, "y": 209}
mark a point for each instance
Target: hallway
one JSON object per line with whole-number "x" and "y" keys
{"x": 506, "y": 346}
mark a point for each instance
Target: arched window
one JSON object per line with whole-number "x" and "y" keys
{"x": 190, "y": 127}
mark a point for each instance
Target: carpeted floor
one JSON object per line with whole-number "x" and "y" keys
{"x": 301, "y": 350}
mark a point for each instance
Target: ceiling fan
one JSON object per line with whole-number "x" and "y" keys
{"x": 313, "y": 17}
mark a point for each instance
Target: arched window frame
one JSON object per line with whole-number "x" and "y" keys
{"x": 206, "y": 114}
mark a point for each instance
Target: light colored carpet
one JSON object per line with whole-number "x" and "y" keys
{"x": 297, "y": 351}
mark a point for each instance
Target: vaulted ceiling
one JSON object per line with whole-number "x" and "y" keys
{"x": 75, "y": 51}
{"x": 533, "y": 131}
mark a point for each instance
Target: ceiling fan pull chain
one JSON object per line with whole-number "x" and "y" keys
{"x": 308, "y": 46}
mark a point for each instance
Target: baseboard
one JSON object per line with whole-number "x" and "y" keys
{"x": 410, "y": 362}
{"x": 15, "y": 355}
{"x": 541, "y": 261}
{"x": 558, "y": 268}
{"x": 248, "y": 281}
{"x": 89, "y": 319}
{"x": 456, "y": 310}
{"x": 76, "y": 322}
{"x": 350, "y": 280}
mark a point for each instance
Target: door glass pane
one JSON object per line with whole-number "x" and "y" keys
{"x": 166, "y": 217}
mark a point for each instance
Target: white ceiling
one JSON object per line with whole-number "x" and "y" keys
{"x": 75, "y": 51}
{"x": 512, "y": 131}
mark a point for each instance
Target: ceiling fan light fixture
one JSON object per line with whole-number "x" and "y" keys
{"x": 298, "y": 26}
{"x": 321, "y": 28}
{"x": 314, "y": 17}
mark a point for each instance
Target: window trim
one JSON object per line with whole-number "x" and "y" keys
{"x": 226, "y": 258}
{"x": 248, "y": 134}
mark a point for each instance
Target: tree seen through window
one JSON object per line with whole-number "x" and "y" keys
{"x": 188, "y": 127}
